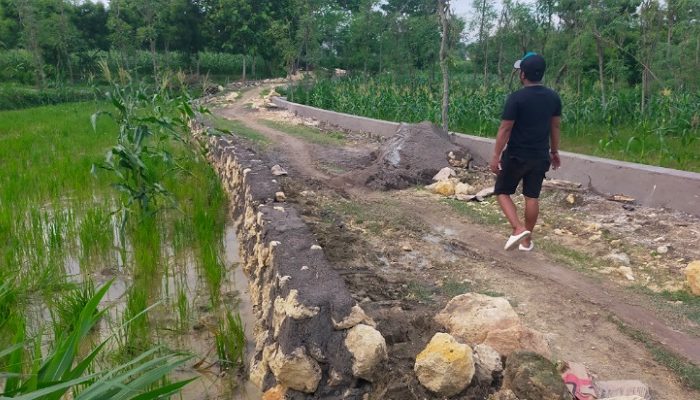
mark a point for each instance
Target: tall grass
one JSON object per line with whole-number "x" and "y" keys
{"x": 665, "y": 133}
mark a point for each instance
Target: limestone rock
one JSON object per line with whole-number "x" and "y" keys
{"x": 464, "y": 189}
{"x": 532, "y": 377}
{"x": 487, "y": 362}
{"x": 357, "y": 316}
{"x": 618, "y": 257}
{"x": 278, "y": 392}
{"x": 626, "y": 272}
{"x": 505, "y": 394}
{"x": 368, "y": 349}
{"x": 472, "y": 316}
{"x": 278, "y": 171}
{"x": 296, "y": 371}
{"x": 444, "y": 174}
{"x": 280, "y": 197}
{"x": 662, "y": 249}
{"x": 445, "y": 366}
{"x": 459, "y": 159}
{"x": 516, "y": 338}
{"x": 692, "y": 275}
{"x": 484, "y": 193}
{"x": 445, "y": 188}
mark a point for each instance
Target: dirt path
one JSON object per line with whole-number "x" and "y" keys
{"x": 603, "y": 294}
{"x": 574, "y": 308}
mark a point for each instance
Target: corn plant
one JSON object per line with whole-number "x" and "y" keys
{"x": 150, "y": 125}
{"x": 61, "y": 372}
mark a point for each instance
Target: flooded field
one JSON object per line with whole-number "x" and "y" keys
{"x": 172, "y": 279}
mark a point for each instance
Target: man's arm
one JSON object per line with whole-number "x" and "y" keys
{"x": 555, "y": 134}
{"x": 501, "y": 141}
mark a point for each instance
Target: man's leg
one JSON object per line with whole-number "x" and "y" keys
{"x": 532, "y": 211}
{"x": 511, "y": 213}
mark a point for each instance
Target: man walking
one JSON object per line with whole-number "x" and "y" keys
{"x": 530, "y": 127}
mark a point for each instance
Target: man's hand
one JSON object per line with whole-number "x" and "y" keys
{"x": 495, "y": 165}
{"x": 556, "y": 161}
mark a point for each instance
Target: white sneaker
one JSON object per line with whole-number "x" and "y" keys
{"x": 523, "y": 248}
{"x": 515, "y": 239}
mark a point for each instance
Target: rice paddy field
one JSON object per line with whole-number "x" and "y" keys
{"x": 666, "y": 133}
{"x": 157, "y": 297}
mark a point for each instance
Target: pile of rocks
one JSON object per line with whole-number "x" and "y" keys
{"x": 482, "y": 331}
{"x": 486, "y": 345}
{"x": 454, "y": 183}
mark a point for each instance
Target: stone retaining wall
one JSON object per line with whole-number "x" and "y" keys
{"x": 306, "y": 319}
{"x": 651, "y": 186}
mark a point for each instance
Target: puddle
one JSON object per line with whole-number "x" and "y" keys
{"x": 212, "y": 383}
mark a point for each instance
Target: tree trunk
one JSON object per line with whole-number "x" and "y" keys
{"x": 482, "y": 40}
{"x": 245, "y": 58}
{"x": 671, "y": 16}
{"x": 444, "y": 9}
{"x": 601, "y": 71}
{"x": 153, "y": 57}
{"x": 502, "y": 21}
{"x": 252, "y": 67}
{"x": 27, "y": 20}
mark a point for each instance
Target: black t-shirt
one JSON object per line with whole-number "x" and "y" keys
{"x": 532, "y": 109}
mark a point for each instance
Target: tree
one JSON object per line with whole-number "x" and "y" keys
{"x": 444, "y": 11}
{"x": 29, "y": 22}
{"x": 485, "y": 14}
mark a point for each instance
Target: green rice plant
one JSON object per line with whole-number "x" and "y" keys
{"x": 230, "y": 341}
{"x": 69, "y": 303}
{"x": 95, "y": 234}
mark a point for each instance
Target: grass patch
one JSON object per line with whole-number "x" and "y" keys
{"x": 307, "y": 133}
{"x": 238, "y": 128}
{"x": 419, "y": 291}
{"x": 480, "y": 213}
{"x": 377, "y": 217}
{"x": 454, "y": 288}
{"x": 688, "y": 373}
{"x": 264, "y": 92}
{"x": 566, "y": 255}
{"x": 688, "y": 308}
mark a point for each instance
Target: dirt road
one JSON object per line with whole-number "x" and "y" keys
{"x": 405, "y": 253}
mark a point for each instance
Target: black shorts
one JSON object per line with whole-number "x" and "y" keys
{"x": 515, "y": 169}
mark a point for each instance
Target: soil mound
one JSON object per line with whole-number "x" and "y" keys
{"x": 412, "y": 156}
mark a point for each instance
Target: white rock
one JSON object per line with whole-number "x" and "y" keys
{"x": 662, "y": 249}
{"x": 472, "y": 316}
{"x": 368, "y": 349}
{"x": 487, "y": 362}
{"x": 278, "y": 171}
{"x": 445, "y": 366}
{"x": 486, "y": 192}
{"x": 464, "y": 189}
{"x": 280, "y": 197}
{"x": 357, "y": 316}
{"x": 444, "y": 174}
{"x": 626, "y": 272}
{"x": 297, "y": 371}
{"x": 618, "y": 257}
{"x": 316, "y": 247}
